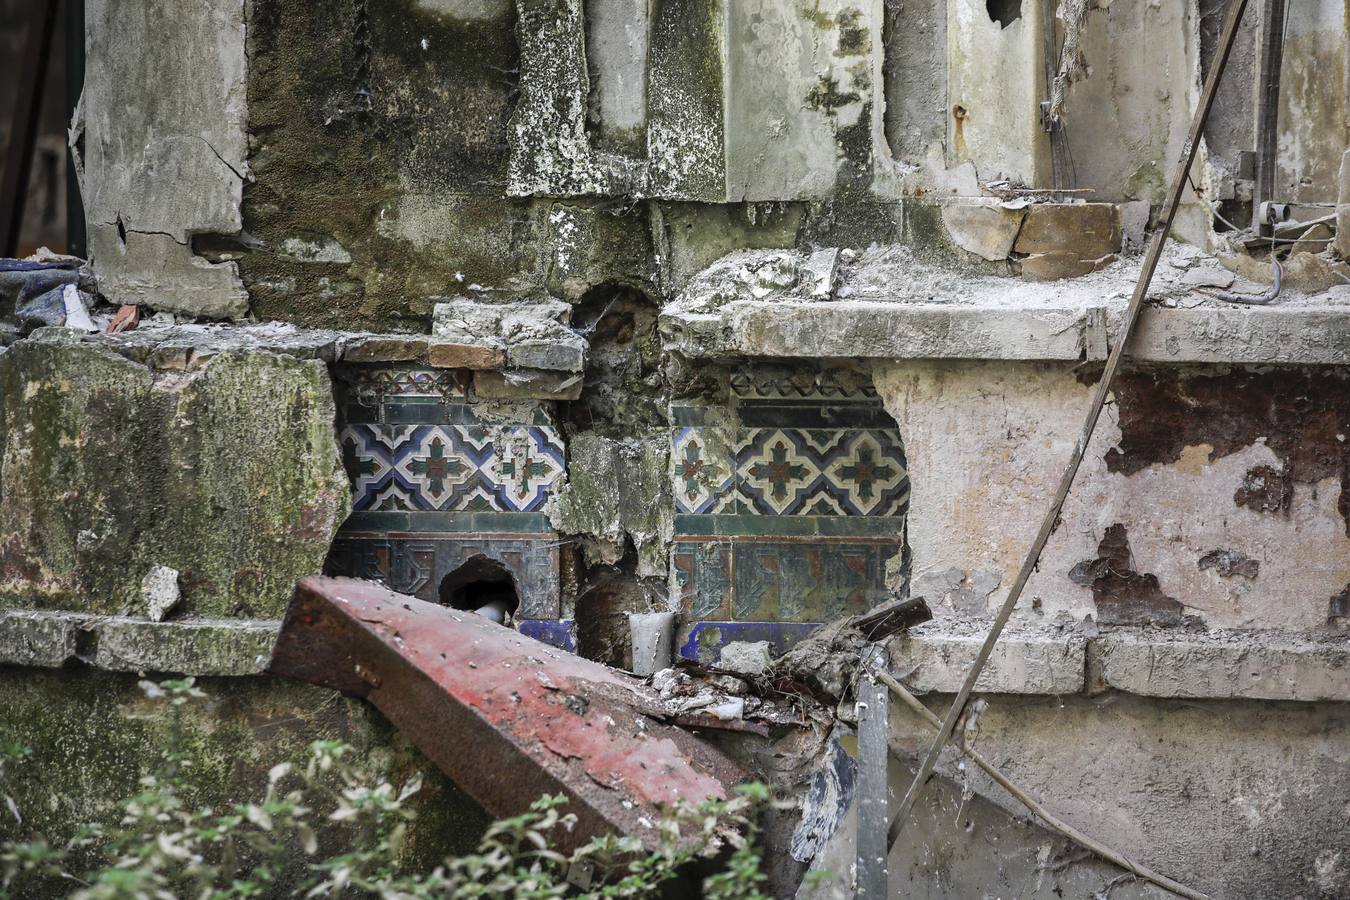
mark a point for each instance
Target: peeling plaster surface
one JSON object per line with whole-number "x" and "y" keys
{"x": 1123, "y": 140}
{"x": 164, "y": 116}
{"x": 986, "y": 444}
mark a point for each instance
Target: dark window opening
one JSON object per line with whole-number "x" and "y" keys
{"x": 483, "y": 586}
{"x": 1004, "y": 12}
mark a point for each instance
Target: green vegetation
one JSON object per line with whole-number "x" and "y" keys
{"x": 350, "y": 826}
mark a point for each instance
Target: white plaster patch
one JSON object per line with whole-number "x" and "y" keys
{"x": 469, "y": 10}
{"x": 326, "y": 250}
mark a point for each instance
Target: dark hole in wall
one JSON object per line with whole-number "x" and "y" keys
{"x": 1004, "y": 12}
{"x": 480, "y": 581}
{"x": 625, "y": 391}
{"x": 609, "y": 594}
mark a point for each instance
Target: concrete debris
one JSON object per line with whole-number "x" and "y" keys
{"x": 987, "y": 230}
{"x": 893, "y": 273}
{"x": 127, "y": 317}
{"x": 159, "y": 591}
{"x": 693, "y": 695}
{"x": 827, "y": 800}
{"x": 534, "y": 335}
{"x": 76, "y": 313}
{"x": 746, "y": 657}
{"x": 1208, "y": 276}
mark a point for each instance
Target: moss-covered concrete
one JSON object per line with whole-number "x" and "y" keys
{"x": 379, "y": 127}
{"x": 108, "y": 468}
{"x": 619, "y": 491}
{"x": 93, "y": 734}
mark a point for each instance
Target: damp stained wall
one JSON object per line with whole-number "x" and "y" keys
{"x": 1214, "y": 498}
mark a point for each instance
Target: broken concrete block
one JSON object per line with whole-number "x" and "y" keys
{"x": 158, "y": 272}
{"x": 75, "y": 309}
{"x": 109, "y": 469}
{"x": 376, "y": 348}
{"x": 453, "y": 355}
{"x": 1257, "y": 270}
{"x": 535, "y": 334}
{"x": 820, "y": 272}
{"x": 159, "y": 590}
{"x": 202, "y": 647}
{"x": 1054, "y": 266}
{"x": 37, "y": 638}
{"x": 1343, "y": 209}
{"x": 619, "y": 489}
{"x": 746, "y": 657}
{"x": 163, "y": 165}
{"x": 1134, "y": 217}
{"x": 987, "y": 230}
{"x": 1085, "y": 231}
{"x": 1312, "y": 273}
{"x": 1207, "y": 276}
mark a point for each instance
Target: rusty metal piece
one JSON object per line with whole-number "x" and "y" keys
{"x": 508, "y": 718}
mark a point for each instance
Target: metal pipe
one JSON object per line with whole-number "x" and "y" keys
{"x": 1273, "y": 16}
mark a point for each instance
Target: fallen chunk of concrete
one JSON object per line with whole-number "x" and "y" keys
{"x": 746, "y": 657}
{"x": 159, "y": 589}
{"x": 533, "y": 335}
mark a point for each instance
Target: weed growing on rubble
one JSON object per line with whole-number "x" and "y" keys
{"x": 160, "y": 848}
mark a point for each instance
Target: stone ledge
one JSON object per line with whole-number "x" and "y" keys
{"x": 177, "y": 347}
{"x": 50, "y": 639}
{"x": 935, "y": 658}
{"x": 1254, "y": 667}
{"x": 932, "y": 658}
{"x": 1213, "y": 665}
{"x": 878, "y": 329}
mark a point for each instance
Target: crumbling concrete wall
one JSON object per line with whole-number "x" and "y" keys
{"x": 995, "y": 81}
{"x": 94, "y": 734}
{"x": 163, "y": 117}
{"x": 1314, "y": 91}
{"x": 112, "y": 466}
{"x": 371, "y": 188}
{"x": 1127, "y": 45}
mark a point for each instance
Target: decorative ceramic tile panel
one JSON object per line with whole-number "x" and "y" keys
{"x": 435, "y": 483}
{"x": 703, "y": 470}
{"x": 790, "y": 499}
{"x": 416, "y": 564}
{"x": 510, "y": 468}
